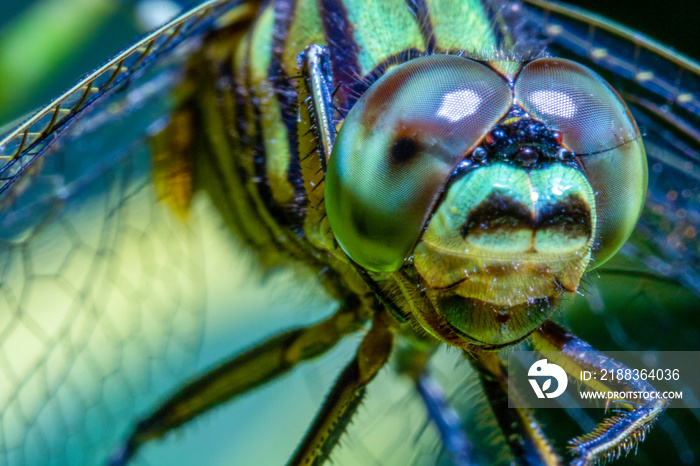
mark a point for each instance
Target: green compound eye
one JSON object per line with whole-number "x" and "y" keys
{"x": 398, "y": 146}
{"x": 597, "y": 125}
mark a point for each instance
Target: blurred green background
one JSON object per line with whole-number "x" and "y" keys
{"x": 46, "y": 45}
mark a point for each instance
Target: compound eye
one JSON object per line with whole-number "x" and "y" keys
{"x": 398, "y": 146}
{"x": 597, "y": 126}
{"x": 576, "y": 101}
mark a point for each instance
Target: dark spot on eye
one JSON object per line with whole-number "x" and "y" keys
{"x": 403, "y": 151}
{"x": 360, "y": 222}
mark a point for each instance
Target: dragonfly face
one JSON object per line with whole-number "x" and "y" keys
{"x": 513, "y": 219}
{"x": 480, "y": 186}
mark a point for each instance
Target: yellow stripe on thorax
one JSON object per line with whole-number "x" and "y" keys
{"x": 462, "y": 25}
{"x": 382, "y": 29}
{"x": 274, "y": 132}
{"x": 306, "y": 29}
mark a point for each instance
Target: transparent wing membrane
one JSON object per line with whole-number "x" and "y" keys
{"x": 22, "y": 146}
{"x": 101, "y": 297}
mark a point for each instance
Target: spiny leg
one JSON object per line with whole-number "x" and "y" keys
{"x": 346, "y": 395}
{"x": 446, "y": 420}
{"x": 412, "y": 363}
{"x": 521, "y": 430}
{"x": 260, "y": 364}
{"x": 617, "y": 434}
{"x": 316, "y": 70}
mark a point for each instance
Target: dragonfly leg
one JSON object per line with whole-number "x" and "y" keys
{"x": 412, "y": 363}
{"x": 620, "y": 433}
{"x": 521, "y": 430}
{"x": 249, "y": 370}
{"x": 316, "y": 69}
{"x": 446, "y": 419}
{"x": 346, "y": 395}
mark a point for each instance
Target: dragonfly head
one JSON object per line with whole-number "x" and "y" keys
{"x": 494, "y": 192}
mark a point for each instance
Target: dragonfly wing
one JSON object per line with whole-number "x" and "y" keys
{"x": 91, "y": 262}
{"x": 22, "y": 146}
{"x": 102, "y": 288}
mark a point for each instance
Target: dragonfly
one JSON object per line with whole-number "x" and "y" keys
{"x": 116, "y": 273}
